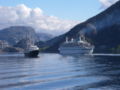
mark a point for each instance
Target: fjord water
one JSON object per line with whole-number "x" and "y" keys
{"x": 55, "y": 71}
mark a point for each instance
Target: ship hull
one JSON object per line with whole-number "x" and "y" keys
{"x": 33, "y": 53}
{"x": 76, "y": 51}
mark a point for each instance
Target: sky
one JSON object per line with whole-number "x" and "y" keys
{"x": 65, "y": 9}
{"x": 49, "y": 16}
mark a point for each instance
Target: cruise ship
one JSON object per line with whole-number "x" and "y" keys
{"x": 76, "y": 47}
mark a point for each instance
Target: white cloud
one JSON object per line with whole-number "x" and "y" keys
{"x": 23, "y": 15}
{"x": 107, "y": 3}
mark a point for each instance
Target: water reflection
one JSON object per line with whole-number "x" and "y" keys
{"x": 54, "y": 71}
{"x": 107, "y": 66}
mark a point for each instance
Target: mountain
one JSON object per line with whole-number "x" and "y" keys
{"x": 14, "y": 34}
{"x": 102, "y": 30}
{"x": 24, "y": 42}
{"x": 44, "y": 36}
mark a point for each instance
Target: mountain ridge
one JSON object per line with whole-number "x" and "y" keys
{"x": 14, "y": 34}
{"x": 91, "y": 28}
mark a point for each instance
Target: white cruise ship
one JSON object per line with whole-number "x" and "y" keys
{"x": 76, "y": 47}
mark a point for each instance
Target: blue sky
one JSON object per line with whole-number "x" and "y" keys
{"x": 49, "y": 16}
{"x": 65, "y": 9}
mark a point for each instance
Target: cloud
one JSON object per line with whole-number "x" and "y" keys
{"x": 107, "y": 3}
{"x": 22, "y": 15}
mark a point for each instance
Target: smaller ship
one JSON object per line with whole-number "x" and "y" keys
{"x": 80, "y": 46}
{"x": 31, "y": 50}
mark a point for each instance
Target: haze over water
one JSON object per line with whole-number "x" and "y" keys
{"x": 54, "y": 72}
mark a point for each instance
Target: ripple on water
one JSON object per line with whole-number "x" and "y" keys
{"x": 54, "y": 71}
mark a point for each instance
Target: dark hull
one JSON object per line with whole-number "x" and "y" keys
{"x": 32, "y": 53}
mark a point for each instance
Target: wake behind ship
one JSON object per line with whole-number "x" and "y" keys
{"x": 76, "y": 47}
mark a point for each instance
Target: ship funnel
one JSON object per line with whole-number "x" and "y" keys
{"x": 66, "y": 40}
{"x": 72, "y": 40}
{"x": 80, "y": 39}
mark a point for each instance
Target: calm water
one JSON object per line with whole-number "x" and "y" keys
{"x": 56, "y": 72}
